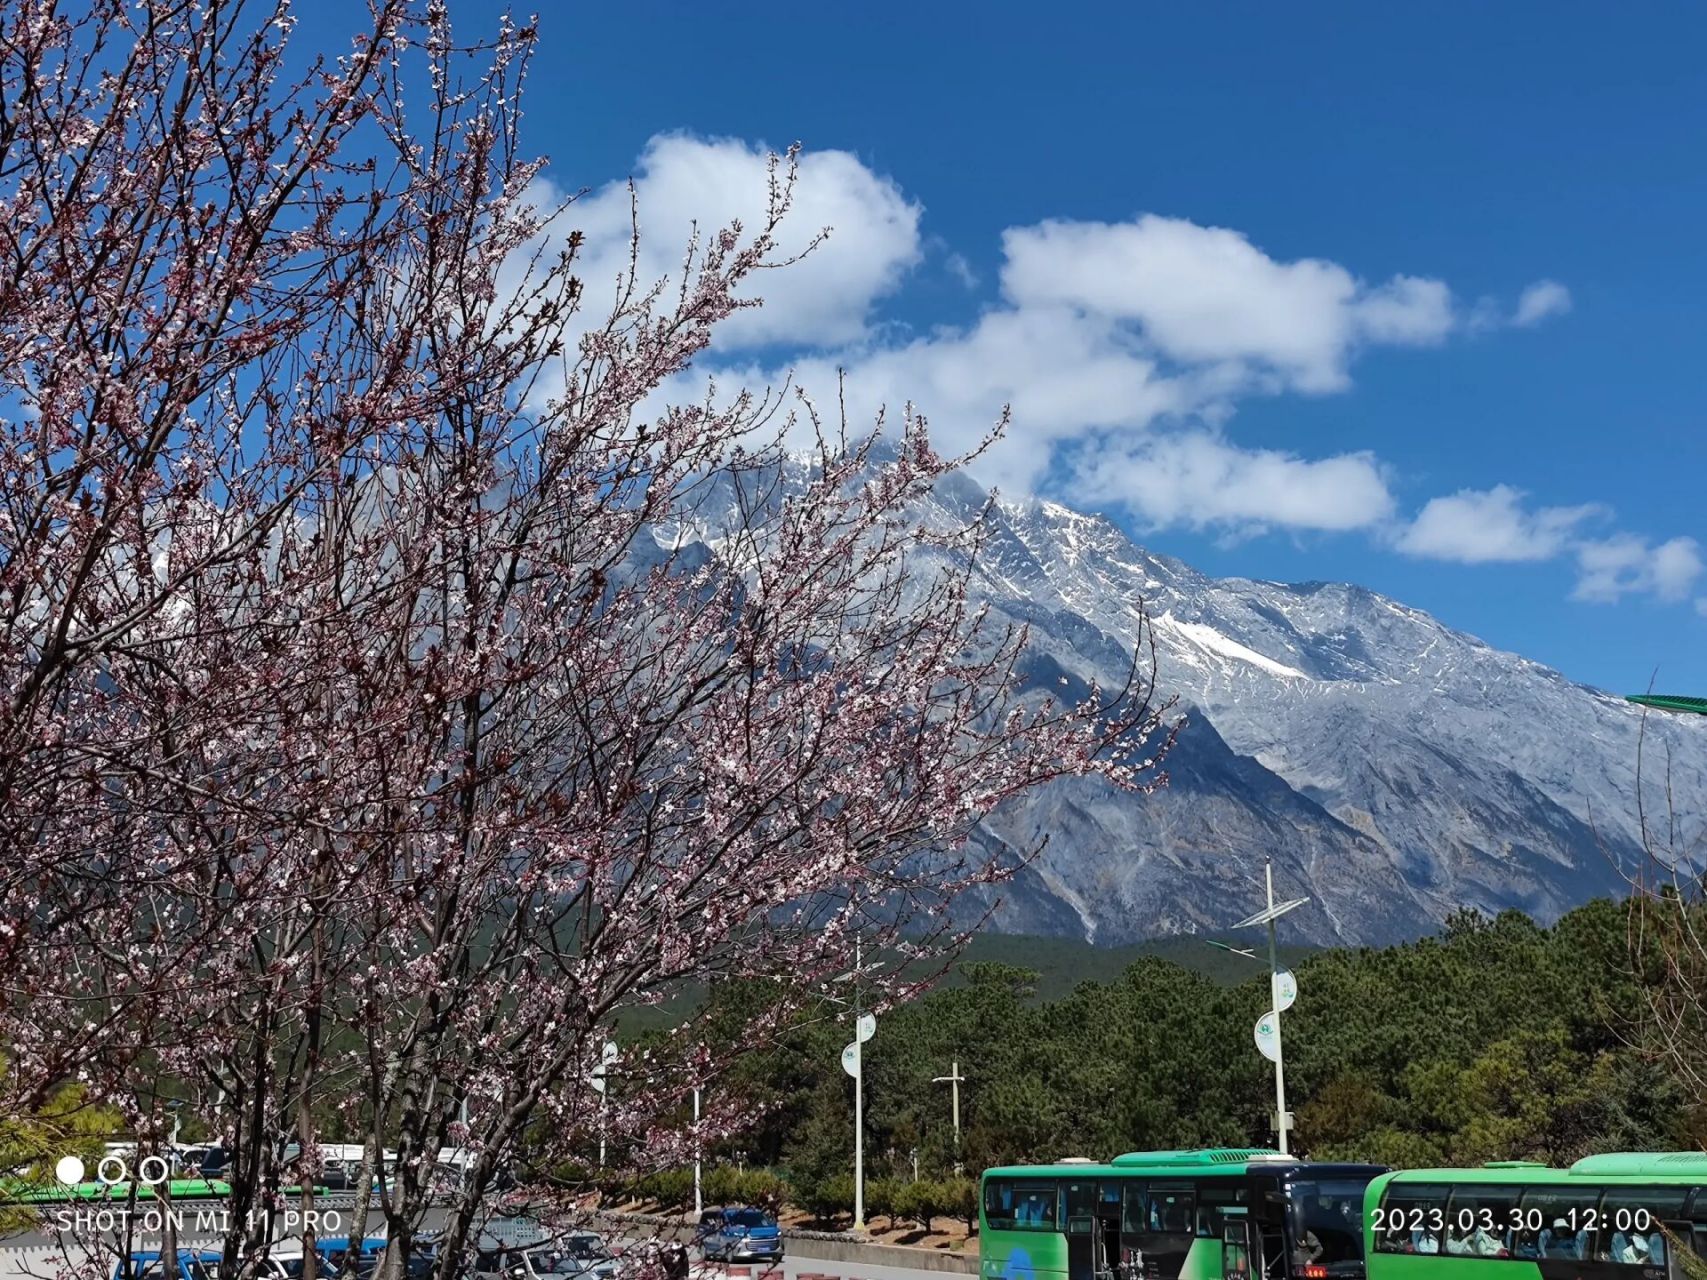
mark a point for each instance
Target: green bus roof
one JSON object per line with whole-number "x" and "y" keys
{"x": 1662, "y": 1166}
{"x": 1669, "y": 702}
{"x": 1206, "y": 1160}
{"x": 1630, "y": 1164}
{"x": 1197, "y": 1159}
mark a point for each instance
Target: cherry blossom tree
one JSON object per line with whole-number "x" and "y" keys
{"x": 397, "y": 685}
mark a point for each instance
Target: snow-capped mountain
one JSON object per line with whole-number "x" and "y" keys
{"x": 1393, "y": 768}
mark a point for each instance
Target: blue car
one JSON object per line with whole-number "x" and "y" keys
{"x": 338, "y": 1258}
{"x": 741, "y": 1234}
{"x": 148, "y": 1264}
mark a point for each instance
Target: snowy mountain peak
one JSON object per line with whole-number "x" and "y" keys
{"x": 1395, "y": 768}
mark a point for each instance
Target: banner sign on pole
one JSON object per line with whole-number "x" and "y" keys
{"x": 606, "y": 1057}
{"x": 1285, "y": 990}
{"x": 1268, "y": 1036}
{"x": 850, "y": 1060}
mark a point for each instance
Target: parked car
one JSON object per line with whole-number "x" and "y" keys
{"x": 582, "y": 1256}
{"x": 283, "y": 1262}
{"x": 739, "y": 1234}
{"x": 199, "y": 1162}
{"x": 341, "y": 1260}
{"x": 149, "y": 1264}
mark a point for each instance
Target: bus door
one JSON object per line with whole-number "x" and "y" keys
{"x": 1167, "y": 1228}
{"x": 1268, "y": 1228}
{"x": 1237, "y": 1248}
{"x": 1084, "y": 1232}
{"x": 1108, "y": 1255}
{"x": 1679, "y": 1238}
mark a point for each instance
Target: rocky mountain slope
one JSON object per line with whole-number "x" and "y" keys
{"x": 1393, "y": 768}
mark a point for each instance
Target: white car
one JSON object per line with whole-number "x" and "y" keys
{"x": 581, "y": 1256}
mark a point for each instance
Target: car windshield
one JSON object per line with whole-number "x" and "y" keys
{"x": 749, "y": 1218}
{"x": 567, "y": 1261}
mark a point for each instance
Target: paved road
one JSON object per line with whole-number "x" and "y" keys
{"x": 814, "y": 1269}
{"x": 33, "y": 1255}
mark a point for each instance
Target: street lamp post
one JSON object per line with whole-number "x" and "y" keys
{"x": 859, "y": 1105}
{"x": 859, "y": 1099}
{"x": 601, "y": 1082}
{"x": 176, "y": 1107}
{"x": 1268, "y": 1026}
{"x": 865, "y": 1026}
{"x": 698, "y": 1205}
{"x": 954, "y": 1080}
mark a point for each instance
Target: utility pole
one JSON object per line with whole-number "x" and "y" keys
{"x": 1280, "y": 1116}
{"x": 1282, "y": 992}
{"x": 954, "y": 1080}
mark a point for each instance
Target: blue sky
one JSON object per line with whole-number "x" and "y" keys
{"x": 1263, "y": 282}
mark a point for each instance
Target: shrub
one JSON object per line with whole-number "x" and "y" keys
{"x": 927, "y": 1200}
{"x": 881, "y": 1196}
{"x": 760, "y": 1187}
{"x": 668, "y": 1188}
{"x": 962, "y": 1200}
{"x": 829, "y": 1197}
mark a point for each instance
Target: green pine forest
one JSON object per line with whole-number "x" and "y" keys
{"x": 1496, "y": 1039}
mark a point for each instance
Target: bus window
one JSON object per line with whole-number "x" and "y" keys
{"x": 1081, "y": 1207}
{"x": 1214, "y": 1199}
{"x": 1697, "y": 1238}
{"x": 1327, "y": 1223}
{"x": 1035, "y": 1206}
{"x": 1560, "y": 1217}
{"x": 1134, "y": 1218}
{"x": 1478, "y": 1221}
{"x": 1171, "y": 1210}
{"x": 1410, "y": 1219}
{"x": 1631, "y": 1222}
{"x": 1020, "y": 1206}
{"x": 999, "y": 1203}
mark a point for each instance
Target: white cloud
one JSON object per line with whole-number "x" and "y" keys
{"x": 825, "y": 300}
{"x": 1204, "y": 295}
{"x": 1122, "y": 348}
{"x": 961, "y": 270}
{"x": 1065, "y": 375}
{"x": 1487, "y": 526}
{"x": 1611, "y": 568}
{"x": 1541, "y": 301}
{"x": 1198, "y": 479}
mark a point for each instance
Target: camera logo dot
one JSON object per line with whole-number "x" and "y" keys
{"x": 69, "y": 1171}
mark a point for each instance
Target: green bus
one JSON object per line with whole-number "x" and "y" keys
{"x": 1627, "y": 1216}
{"x": 1215, "y": 1214}
{"x": 16, "y": 1191}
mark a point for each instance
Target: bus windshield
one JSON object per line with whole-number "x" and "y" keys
{"x": 1326, "y": 1224}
